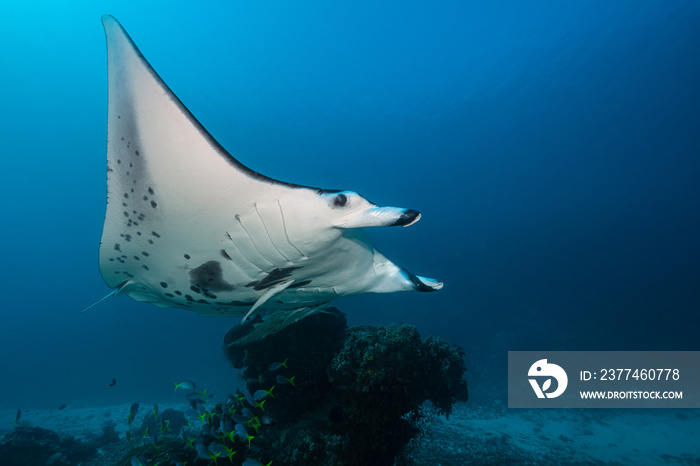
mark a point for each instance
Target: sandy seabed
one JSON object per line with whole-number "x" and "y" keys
{"x": 473, "y": 434}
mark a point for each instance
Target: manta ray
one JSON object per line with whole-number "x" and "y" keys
{"x": 189, "y": 226}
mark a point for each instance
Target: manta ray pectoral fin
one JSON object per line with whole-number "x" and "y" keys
{"x": 380, "y": 217}
{"x": 269, "y": 293}
{"x": 114, "y": 292}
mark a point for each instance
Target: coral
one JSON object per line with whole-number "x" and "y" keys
{"x": 444, "y": 374}
{"x": 109, "y": 434}
{"x": 168, "y": 451}
{"x": 306, "y": 340}
{"x": 34, "y": 446}
{"x": 381, "y": 377}
{"x": 359, "y": 392}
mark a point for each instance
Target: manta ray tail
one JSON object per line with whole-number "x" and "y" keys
{"x": 114, "y": 292}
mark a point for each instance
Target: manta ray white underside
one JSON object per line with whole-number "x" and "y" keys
{"x": 188, "y": 226}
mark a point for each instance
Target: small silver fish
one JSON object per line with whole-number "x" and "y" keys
{"x": 191, "y": 414}
{"x": 239, "y": 419}
{"x": 283, "y": 380}
{"x": 224, "y": 427}
{"x": 195, "y": 399}
{"x": 186, "y": 385}
{"x": 132, "y": 412}
{"x": 276, "y": 365}
{"x": 217, "y": 448}
{"x": 241, "y": 432}
{"x": 253, "y": 462}
{"x": 202, "y": 452}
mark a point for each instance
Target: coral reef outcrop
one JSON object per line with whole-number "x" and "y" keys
{"x": 358, "y": 393}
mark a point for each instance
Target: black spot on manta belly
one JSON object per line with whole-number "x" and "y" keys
{"x": 209, "y": 276}
{"x": 272, "y": 278}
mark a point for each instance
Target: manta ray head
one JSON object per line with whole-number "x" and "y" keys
{"x": 350, "y": 210}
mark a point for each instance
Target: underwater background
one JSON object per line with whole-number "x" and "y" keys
{"x": 553, "y": 149}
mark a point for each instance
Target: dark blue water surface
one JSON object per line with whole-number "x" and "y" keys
{"x": 552, "y": 147}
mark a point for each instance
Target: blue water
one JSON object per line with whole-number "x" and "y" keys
{"x": 552, "y": 147}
